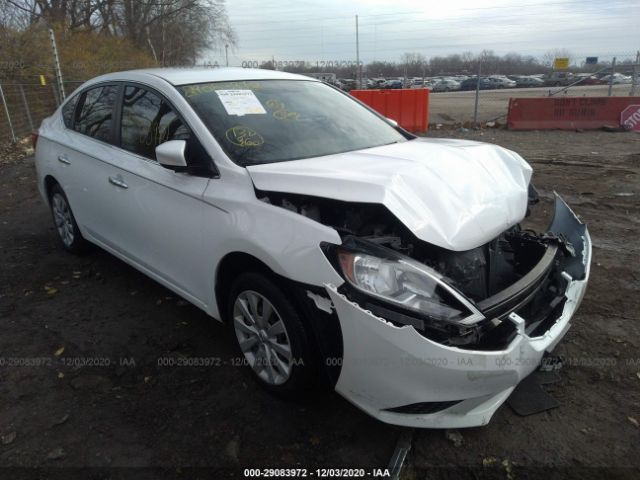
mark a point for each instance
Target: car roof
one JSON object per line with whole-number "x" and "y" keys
{"x": 189, "y": 75}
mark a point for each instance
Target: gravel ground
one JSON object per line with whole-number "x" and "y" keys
{"x": 126, "y": 410}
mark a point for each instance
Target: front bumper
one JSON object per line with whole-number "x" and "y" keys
{"x": 385, "y": 366}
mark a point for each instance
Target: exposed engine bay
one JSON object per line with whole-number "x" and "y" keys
{"x": 512, "y": 272}
{"x": 478, "y": 273}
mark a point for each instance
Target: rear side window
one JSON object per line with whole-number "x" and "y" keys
{"x": 95, "y": 112}
{"x": 67, "y": 111}
{"x": 147, "y": 121}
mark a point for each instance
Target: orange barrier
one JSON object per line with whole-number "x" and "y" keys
{"x": 567, "y": 113}
{"x": 408, "y": 107}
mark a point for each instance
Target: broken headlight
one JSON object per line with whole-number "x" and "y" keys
{"x": 396, "y": 280}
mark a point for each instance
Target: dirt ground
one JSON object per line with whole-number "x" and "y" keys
{"x": 125, "y": 413}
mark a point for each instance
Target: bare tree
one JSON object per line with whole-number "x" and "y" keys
{"x": 174, "y": 31}
{"x": 414, "y": 64}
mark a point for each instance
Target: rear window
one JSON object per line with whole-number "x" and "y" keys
{"x": 67, "y": 111}
{"x": 94, "y": 116}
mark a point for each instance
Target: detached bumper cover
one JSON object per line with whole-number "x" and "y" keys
{"x": 385, "y": 367}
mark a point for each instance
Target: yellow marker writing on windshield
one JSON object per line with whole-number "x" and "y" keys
{"x": 244, "y": 136}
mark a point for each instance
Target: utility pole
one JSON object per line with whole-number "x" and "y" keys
{"x": 475, "y": 107}
{"x": 613, "y": 70}
{"x": 358, "y": 73}
{"x": 57, "y": 64}
{"x": 636, "y": 75}
{"x": 226, "y": 53}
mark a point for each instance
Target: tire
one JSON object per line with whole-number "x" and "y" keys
{"x": 65, "y": 223}
{"x": 277, "y": 348}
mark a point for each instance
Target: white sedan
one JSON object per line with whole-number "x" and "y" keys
{"x": 446, "y": 85}
{"x": 341, "y": 250}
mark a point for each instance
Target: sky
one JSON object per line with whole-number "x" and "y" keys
{"x": 316, "y": 31}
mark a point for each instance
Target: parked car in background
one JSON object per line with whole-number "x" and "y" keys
{"x": 500, "y": 81}
{"x": 377, "y": 83}
{"x": 394, "y": 83}
{"x": 618, "y": 79}
{"x": 558, "y": 79}
{"x": 526, "y": 81}
{"x": 347, "y": 84}
{"x": 471, "y": 84}
{"x": 422, "y": 84}
{"x": 586, "y": 79}
{"x": 446, "y": 85}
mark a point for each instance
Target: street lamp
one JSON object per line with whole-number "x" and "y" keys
{"x": 226, "y": 53}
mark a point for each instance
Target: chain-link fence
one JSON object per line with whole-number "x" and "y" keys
{"x": 468, "y": 103}
{"x": 24, "y": 104}
{"x": 459, "y": 106}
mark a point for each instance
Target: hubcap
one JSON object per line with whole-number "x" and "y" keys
{"x": 262, "y": 337}
{"x": 62, "y": 218}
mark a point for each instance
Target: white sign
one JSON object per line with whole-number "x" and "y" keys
{"x": 630, "y": 118}
{"x": 240, "y": 102}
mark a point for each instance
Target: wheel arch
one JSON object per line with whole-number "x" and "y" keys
{"x": 49, "y": 182}
{"x": 324, "y": 328}
{"x": 229, "y": 266}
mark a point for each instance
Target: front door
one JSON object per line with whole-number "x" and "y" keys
{"x": 160, "y": 211}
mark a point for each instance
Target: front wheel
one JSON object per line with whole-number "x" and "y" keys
{"x": 271, "y": 336}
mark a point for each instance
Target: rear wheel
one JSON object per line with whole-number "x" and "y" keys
{"x": 65, "y": 223}
{"x": 271, "y": 336}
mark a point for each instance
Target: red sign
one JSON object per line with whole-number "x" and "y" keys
{"x": 630, "y": 118}
{"x": 569, "y": 113}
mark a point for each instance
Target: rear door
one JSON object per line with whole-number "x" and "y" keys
{"x": 84, "y": 156}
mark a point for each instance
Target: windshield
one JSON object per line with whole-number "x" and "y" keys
{"x": 266, "y": 121}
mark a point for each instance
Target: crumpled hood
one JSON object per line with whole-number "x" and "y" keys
{"x": 455, "y": 194}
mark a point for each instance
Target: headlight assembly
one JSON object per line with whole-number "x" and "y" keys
{"x": 402, "y": 282}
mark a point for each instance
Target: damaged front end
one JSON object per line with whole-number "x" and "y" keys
{"x": 439, "y": 338}
{"x": 471, "y": 294}
{"x": 455, "y": 298}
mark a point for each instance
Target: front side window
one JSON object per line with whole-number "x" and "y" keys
{"x": 266, "y": 121}
{"x": 95, "y": 112}
{"x": 148, "y": 121}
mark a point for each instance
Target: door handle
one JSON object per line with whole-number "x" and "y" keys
{"x": 63, "y": 159}
{"x": 118, "y": 182}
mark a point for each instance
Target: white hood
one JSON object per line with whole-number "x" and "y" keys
{"x": 455, "y": 194}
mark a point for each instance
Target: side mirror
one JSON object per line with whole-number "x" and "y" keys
{"x": 392, "y": 122}
{"x": 171, "y": 154}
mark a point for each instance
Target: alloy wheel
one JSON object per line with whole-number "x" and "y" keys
{"x": 263, "y": 338}
{"x": 63, "y": 219}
